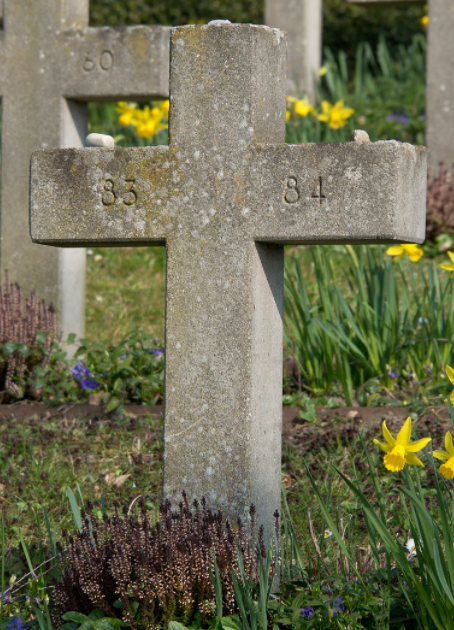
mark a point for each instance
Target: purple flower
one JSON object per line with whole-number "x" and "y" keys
{"x": 429, "y": 370}
{"x": 338, "y": 606}
{"x": 123, "y": 357}
{"x": 16, "y": 625}
{"x": 84, "y": 377}
{"x": 6, "y": 599}
{"x": 398, "y": 117}
{"x": 392, "y": 373}
{"x": 307, "y": 612}
{"x": 158, "y": 351}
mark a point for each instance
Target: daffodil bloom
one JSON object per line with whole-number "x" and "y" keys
{"x": 335, "y": 115}
{"x": 126, "y": 112}
{"x": 301, "y": 106}
{"x": 450, "y": 375}
{"x": 400, "y": 451}
{"x": 323, "y": 70}
{"x": 148, "y": 121}
{"x": 165, "y": 105}
{"x": 400, "y": 251}
{"x": 447, "y": 470}
{"x": 425, "y": 20}
{"x": 449, "y": 266}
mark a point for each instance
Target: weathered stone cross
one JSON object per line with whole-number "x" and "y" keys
{"x": 224, "y": 197}
{"x": 51, "y": 65}
{"x": 440, "y": 78}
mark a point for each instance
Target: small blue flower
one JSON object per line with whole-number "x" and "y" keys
{"x": 6, "y": 599}
{"x": 84, "y": 377}
{"x": 158, "y": 351}
{"x": 307, "y": 612}
{"x": 398, "y": 117}
{"x": 16, "y": 625}
{"x": 338, "y": 606}
{"x": 123, "y": 357}
{"x": 392, "y": 373}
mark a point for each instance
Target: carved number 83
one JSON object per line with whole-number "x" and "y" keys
{"x": 124, "y": 194}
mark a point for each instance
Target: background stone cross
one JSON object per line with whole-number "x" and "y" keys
{"x": 439, "y": 78}
{"x": 302, "y": 21}
{"x": 224, "y": 197}
{"x": 51, "y": 64}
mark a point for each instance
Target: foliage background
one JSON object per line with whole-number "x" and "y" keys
{"x": 344, "y": 25}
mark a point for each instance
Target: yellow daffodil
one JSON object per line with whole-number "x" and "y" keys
{"x": 301, "y": 106}
{"x": 425, "y": 20}
{"x": 447, "y": 470}
{"x": 450, "y": 375}
{"x": 148, "y": 121}
{"x": 126, "y": 112}
{"x": 400, "y": 451}
{"x": 400, "y": 251}
{"x": 323, "y": 70}
{"x": 335, "y": 115}
{"x": 165, "y": 105}
{"x": 449, "y": 266}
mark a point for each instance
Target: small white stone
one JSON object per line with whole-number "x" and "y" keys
{"x": 360, "y": 137}
{"x": 218, "y": 22}
{"x": 99, "y": 140}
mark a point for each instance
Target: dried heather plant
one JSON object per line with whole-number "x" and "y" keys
{"x": 20, "y": 321}
{"x": 164, "y": 568}
{"x": 440, "y": 202}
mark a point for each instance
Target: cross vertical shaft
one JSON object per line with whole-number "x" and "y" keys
{"x": 224, "y": 310}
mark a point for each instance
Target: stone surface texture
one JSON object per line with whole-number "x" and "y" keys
{"x": 51, "y": 63}
{"x": 302, "y": 21}
{"x": 439, "y": 80}
{"x": 225, "y": 197}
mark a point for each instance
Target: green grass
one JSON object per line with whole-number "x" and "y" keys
{"x": 125, "y": 290}
{"x": 40, "y": 458}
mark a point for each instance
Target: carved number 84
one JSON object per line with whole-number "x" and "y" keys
{"x": 121, "y": 194}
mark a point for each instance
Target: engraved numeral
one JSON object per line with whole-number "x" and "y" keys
{"x": 317, "y": 191}
{"x": 120, "y": 195}
{"x": 130, "y": 195}
{"x": 104, "y": 61}
{"x": 291, "y": 194}
{"x": 108, "y": 196}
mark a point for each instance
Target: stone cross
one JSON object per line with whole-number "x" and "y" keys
{"x": 51, "y": 65}
{"x": 224, "y": 197}
{"x": 302, "y": 21}
{"x": 440, "y": 78}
